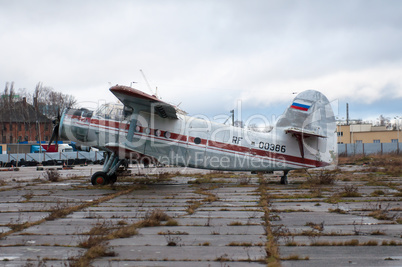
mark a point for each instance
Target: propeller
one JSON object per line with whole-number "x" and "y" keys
{"x": 55, "y": 134}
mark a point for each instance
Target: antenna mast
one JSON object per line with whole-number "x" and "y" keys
{"x": 149, "y": 87}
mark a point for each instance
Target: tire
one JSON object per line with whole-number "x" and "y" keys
{"x": 99, "y": 178}
{"x": 284, "y": 180}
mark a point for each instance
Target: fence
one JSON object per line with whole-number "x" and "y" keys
{"x": 343, "y": 150}
{"x": 51, "y": 156}
{"x": 368, "y": 148}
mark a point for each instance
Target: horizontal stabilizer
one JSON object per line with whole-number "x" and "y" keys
{"x": 303, "y": 133}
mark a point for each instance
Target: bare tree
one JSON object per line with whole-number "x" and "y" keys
{"x": 50, "y": 102}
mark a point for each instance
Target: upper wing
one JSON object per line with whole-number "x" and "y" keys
{"x": 139, "y": 100}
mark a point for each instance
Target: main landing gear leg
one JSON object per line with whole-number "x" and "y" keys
{"x": 108, "y": 174}
{"x": 284, "y": 178}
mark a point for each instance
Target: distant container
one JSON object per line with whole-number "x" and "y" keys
{"x": 23, "y": 148}
{"x": 60, "y": 148}
{"x": 3, "y": 149}
{"x": 18, "y": 148}
{"x": 65, "y": 148}
{"x": 37, "y": 149}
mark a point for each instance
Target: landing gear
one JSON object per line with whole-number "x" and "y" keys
{"x": 108, "y": 174}
{"x": 99, "y": 178}
{"x": 284, "y": 178}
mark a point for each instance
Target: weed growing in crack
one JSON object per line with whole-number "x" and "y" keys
{"x": 52, "y": 175}
{"x": 322, "y": 177}
{"x": 271, "y": 245}
{"x": 381, "y": 212}
{"x": 193, "y": 206}
{"x": 154, "y": 218}
{"x": 295, "y": 257}
{"x": 350, "y": 191}
{"x": 172, "y": 222}
{"x": 171, "y": 240}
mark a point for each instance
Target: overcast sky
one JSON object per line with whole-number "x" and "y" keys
{"x": 209, "y": 54}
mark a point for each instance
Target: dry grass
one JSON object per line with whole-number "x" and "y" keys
{"x": 193, "y": 206}
{"x": 171, "y": 222}
{"x": 62, "y": 210}
{"x": 236, "y": 223}
{"x": 154, "y": 218}
{"x": 380, "y": 211}
{"x": 52, "y": 175}
{"x": 271, "y": 246}
{"x": 377, "y": 193}
{"x": 350, "y": 191}
{"x": 173, "y": 233}
{"x": 353, "y": 242}
{"x": 124, "y": 232}
{"x": 322, "y": 177}
{"x": 337, "y": 210}
{"x": 387, "y": 164}
{"x": 295, "y": 257}
{"x": 240, "y": 244}
{"x": 391, "y": 243}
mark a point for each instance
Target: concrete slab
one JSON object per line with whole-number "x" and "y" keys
{"x": 344, "y": 256}
{"x": 224, "y": 232}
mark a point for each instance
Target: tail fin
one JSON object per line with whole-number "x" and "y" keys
{"x": 311, "y": 121}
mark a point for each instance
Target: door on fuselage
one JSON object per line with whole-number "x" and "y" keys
{"x": 198, "y": 134}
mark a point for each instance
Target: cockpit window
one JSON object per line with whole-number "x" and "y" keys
{"x": 111, "y": 112}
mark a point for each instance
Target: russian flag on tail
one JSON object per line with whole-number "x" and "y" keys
{"x": 300, "y": 106}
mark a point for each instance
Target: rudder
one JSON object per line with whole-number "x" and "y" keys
{"x": 310, "y": 115}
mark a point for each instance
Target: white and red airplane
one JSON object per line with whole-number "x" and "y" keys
{"x": 147, "y": 129}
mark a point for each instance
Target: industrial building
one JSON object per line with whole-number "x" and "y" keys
{"x": 366, "y": 133}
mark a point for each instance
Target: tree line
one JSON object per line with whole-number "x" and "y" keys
{"x": 44, "y": 99}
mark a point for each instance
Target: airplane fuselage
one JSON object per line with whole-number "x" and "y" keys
{"x": 191, "y": 142}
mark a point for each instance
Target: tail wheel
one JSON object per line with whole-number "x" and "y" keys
{"x": 99, "y": 178}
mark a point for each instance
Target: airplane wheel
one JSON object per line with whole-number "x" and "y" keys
{"x": 99, "y": 178}
{"x": 284, "y": 180}
{"x": 112, "y": 178}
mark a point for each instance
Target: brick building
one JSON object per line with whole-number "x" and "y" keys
{"x": 19, "y": 121}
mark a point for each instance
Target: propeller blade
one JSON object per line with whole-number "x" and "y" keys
{"x": 58, "y": 115}
{"x": 55, "y": 134}
{"x": 57, "y": 139}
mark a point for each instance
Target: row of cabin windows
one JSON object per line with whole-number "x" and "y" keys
{"x": 377, "y": 141}
{"x": 19, "y": 126}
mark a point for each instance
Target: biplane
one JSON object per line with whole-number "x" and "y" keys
{"x": 145, "y": 129}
